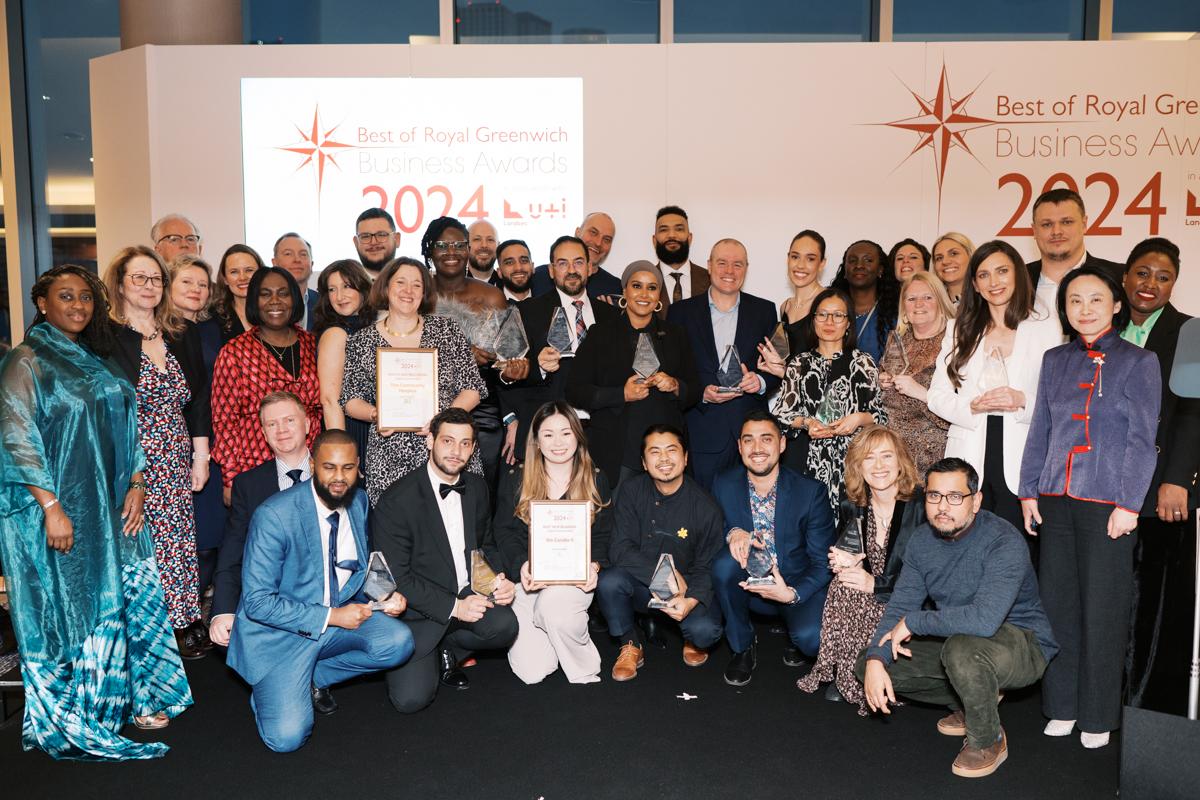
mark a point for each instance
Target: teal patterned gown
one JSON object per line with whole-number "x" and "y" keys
{"x": 91, "y": 625}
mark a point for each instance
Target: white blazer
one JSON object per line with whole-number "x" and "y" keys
{"x": 967, "y": 436}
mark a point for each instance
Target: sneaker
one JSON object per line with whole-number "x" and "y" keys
{"x": 975, "y": 763}
{"x": 693, "y": 656}
{"x": 741, "y": 667}
{"x": 1059, "y": 727}
{"x": 628, "y": 662}
{"x": 1093, "y": 741}
{"x": 953, "y": 724}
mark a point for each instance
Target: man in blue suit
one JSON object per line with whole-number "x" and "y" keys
{"x": 768, "y": 506}
{"x": 293, "y": 252}
{"x": 303, "y": 624}
{"x": 721, "y": 317}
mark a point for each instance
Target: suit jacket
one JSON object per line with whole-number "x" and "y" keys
{"x": 711, "y": 426}
{"x": 600, "y": 284}
{"x": 250, "y": 490}
{"x": 700, "y": 283}
{"x": 407, "y": 527}
{"x": 282, "y": 612}
{"x": 186, "y": 347}
{"x": 907, "y": 516}
{"x": 1116, "y": 271}
{"x": 310, "y": 303}
{"x": 804, "y": 529}
{"x": 1178, "y": 438}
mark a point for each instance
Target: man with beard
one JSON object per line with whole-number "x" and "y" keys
{"x": 1059, "y": 222}
{"x": 597, "y": 232}
{"x": 375, "y": 240}
{"x": 481, "y": 252}
{"x": 303, "y": 623}
{"x": 517, "y": 399}
{"x": 986, "y": 631}
{"x": 661, "y": 511}
{"x": 514, "y": 270}
{"x": 672, "y": 242}
{"x": 769, "y": 507}
{"x": 427, "y": 524}
{"x": 293, "y": 252}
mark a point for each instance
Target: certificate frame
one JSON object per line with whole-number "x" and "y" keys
{"x": 406, "y": 387}
{"x": 560, "y": 541}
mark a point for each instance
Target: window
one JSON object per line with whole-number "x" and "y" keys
{"x": 556, "y": 21}
{"x": 773, "y": 21}
{"x": 339, "y": 21}
{"x": 997, "y": 20}
{"x": 1156, "y": 16}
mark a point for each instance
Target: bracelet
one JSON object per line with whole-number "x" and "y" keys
{"x": 46, "y": 506}
{"x": 509, "y": 418}
{"x": 137, "y": 485}
{"x": 201, "y": 457}
{"x": 795, "y": 597}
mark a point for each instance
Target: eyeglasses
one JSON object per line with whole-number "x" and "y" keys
{"x": 175, "y": 239}
{"x": 141, "y": 280}
{"x": 458, "y": 247}
{"x": 579, "y": 264}
{"x": 825, "y": 316}
{"x": 381, "y": 237}
{"x": 953, "y": 498}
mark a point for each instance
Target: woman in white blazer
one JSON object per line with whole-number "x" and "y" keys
{"x": 986, "y": 381}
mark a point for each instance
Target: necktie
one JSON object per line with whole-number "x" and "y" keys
{"x": 446, "y": 488}
{"x": 294, "y": 474}
{"x": 334, "y": 589}
{"x": 580, "y": 325}
{"x": 677, "y": 292}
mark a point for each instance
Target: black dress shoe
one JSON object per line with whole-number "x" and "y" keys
{"x": 189, "y": 647}
{"x": 199, "y": 633}
{"x": 654, "y": 632}
{"x": 323, "y": 702}
{"x": 741, "y": 667}
{"x": 452, "y": 675}
{"x": 596, "y": 623}
{"x": 794, "y": 657}
{"x": 833, "y": 694}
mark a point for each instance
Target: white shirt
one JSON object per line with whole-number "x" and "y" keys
{"x": 282, "y": 468}
{"x": 347, "y": 550}
{"x": 510, "y": 296}
{"x": 684, "y": 271}
{"x": 1047, "y": 290}
{"x": 450, "y": 507}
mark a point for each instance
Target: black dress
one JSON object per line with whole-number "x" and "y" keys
{"x": 355, "y": 427}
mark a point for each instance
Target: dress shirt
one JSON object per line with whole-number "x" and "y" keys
{"x": 450, "y": 507}
{"x": 1047, "y": 290}
{"x": 684, "y": 271}
{"x": 568, "y": 305}
{"x": 1138, "y": 334}
{"x": 346, "y": 549}
{"x": 282, "y": 468}
{"x": 512, "y": 298}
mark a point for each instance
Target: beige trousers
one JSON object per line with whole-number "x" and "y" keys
{"x": 553, "y": 632}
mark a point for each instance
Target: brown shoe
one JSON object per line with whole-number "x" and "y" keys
{"x": 953, "y": 724}
{"x": 975, "y": 763}
{"x": 693, "y": 656}
{"x": 628, "y": 663}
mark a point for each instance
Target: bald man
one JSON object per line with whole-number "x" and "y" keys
{"x": 481, "y": 252}
{"x": 597, "y": 232}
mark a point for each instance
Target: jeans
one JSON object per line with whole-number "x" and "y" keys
{"x": 621, "y": 596}
{"x": 803, "y": 620}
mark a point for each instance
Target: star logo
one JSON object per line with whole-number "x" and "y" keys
{"x": 681, "y": 533}
{"x": 318, "y": 148}
{"x": 941, "y": 126}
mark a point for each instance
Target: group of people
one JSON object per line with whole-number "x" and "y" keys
{"x": 860, "y": 462}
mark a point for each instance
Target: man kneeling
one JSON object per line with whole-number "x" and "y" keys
{"x": 303, "y": 623}
{"x": 986, "y": 633}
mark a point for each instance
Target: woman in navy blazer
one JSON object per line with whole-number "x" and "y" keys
{"x": 1088, "y": 461}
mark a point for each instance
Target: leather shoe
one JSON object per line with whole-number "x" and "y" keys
{"x": 794, "y": 657}
{"x": 833, "y": 694}
{"x": 596, "y": 623}
{"x": 953, "y": 724}
{"x": 628, "y": 662}
{"x": 200, "y": 632}
{"x": 653, "y": 632}
{"x": 741, "y": 667}
{"x": 451, "y": 675}
{"x": 693, "y": 656}
{"x": 323, "y": 702}
{"x": 975, "y": 763}
{"x": 189, "y": 648}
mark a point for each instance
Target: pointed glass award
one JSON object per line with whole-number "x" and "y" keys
{"x": 510, "y": 341}
{"x": 559, "y": 336}
{"x": 645, "y": 360}
{"x": 995, "y": 375}
{"x": 483, "y": 577}
{"x": 665, "y": 583}
{"x": 829, "y": 409}
{"x": 730, "y": 374}
{"x": 758, "y": 565}
{"x": 850, "y": 537}
{"x": 781, "y": 342}
{"x": 487, "y": 328}
{"x": 379, "y": 585}
{"x": 895, "y": 359}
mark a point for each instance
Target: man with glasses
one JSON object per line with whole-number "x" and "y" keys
{"x": 175, "y": 235}
{"x": 597, "y": 232}
{"x": 293, "y": 252}
{"x": 375, "y": 240}
{"x": 986, "y": 631}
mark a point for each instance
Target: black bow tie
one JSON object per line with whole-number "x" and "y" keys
{"x": 447, "y": 488}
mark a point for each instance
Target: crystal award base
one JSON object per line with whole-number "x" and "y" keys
{"x": 559, "y": 335}
{"x": 379, "y": 585}
{"x": 730, "y": 376}
{"x": 758, "y": 565}
{"x": 850, "y": 538}
{"x": 645, "y": 360}
{"x": 665, "y": 583}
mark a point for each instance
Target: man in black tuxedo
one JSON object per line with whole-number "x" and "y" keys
{"x": 1059, "y": 222}
{"x": 549, "y": 368}
{"x": 285, "y": 427}
{"x": 514, "y": 270}
{"x": 672, "y": 240}
{"x": 426, "y": 524}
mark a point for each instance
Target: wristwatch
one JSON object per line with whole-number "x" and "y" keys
{"x": 795, "y": 601}
{"x": 509, "y": 419}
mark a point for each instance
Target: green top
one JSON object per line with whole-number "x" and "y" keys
{"x": 1137, "y": 334}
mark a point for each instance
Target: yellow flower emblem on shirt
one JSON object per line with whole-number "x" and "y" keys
{"x": 681, "y": 533}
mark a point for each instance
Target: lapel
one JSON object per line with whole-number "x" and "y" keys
{"x": 783, "y": 498}
{"x": 358, "y": 527}
{"x": 429, "y": 499}
{"x": 708, "y": 341}
{"x": 1165, "y": 333}
{"x": 470, "y": 535}
{"x": 310, "y": 538}
{"x": 700, "y": 280}
{"x": 743, "y": 336}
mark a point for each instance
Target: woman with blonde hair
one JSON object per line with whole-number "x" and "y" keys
{"x": 191, "y": 286}
{"x": 951, "y": 253}
{"x": 553, "y": 619}
{"x": 885, "y": 501}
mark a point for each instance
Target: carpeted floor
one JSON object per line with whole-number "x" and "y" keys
{"x": 501, "y": 739}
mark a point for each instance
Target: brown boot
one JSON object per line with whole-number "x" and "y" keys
{"x": 628, "y": 662}
{"x": 953, "y": 724}
{"x": 693, "y": 656}
{"x": 975, "y": 763}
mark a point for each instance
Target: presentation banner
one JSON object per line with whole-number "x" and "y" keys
{"x": 317, "y": 152}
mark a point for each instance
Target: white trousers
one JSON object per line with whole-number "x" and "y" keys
{"x": 553, "y": 632}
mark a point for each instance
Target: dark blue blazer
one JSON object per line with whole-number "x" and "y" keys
{"x": 598, "y": 285}
{"x": 711, "y": 426}
{"x": 250, "y": 489}
{"x": 311, "y": 303}
{"x": 804, "y": 529}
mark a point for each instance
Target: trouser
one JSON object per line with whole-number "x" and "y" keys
{"x": 968, "y": 673}
{"x": 621, "y": 596}
{"x": 997, "y": 498}
{"x": 282, "y": 701}
{"x": 489, "y": 438}
{"x": 553, "y": 632}
{"x": 413, "y": 686}
{"x": 206, "y": 567}
{"x": 803, "y": 620}
{"x": 1086, "y": 582}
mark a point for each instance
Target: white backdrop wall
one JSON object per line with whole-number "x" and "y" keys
{"x": 755, "y": 141}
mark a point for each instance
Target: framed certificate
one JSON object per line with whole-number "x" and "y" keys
{"x": 406, "y": 387}
{"x": 560, "y": 541}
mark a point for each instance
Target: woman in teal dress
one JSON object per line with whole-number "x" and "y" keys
{"x": 96, "y": 649}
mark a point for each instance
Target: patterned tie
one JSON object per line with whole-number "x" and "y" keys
{"x": 580, "y": 325}
{"x": 677, "y": 292}
{"x": 334, "y": 589}
{"x": 294, "y": 474}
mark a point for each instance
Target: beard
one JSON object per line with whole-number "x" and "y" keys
{"x": 679, "y": 256}
{"x": 376, "y": 266}
{"x": 512, "y": 286}
{"x": 952, "y": 533}
{"x": 759, "y": 473}
{"x": 478, "y": 267}
{"x": 331, "y": 501}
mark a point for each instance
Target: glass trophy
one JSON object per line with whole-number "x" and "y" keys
{"x": 850, "y": 537}
{"x": 645, "y": 360}
{"x": 379, "y": 585}
{"x": 510, "y": 341}
{"x": 559, "y": 336}
{"x": 829, "y": 410}
{"x": 730, "y": 375}
{"x": 780, "y": 341}
{"x": 483, "y": 577}
{"x": 487, "y": 328}
{"x": 665, "y": 583}
{"x": 995, "y": 375}
{"x": 758, "y": 564}
{"x": 896, "y": 357}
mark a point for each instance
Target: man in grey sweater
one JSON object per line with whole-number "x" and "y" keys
{"x": 986, "y": 632}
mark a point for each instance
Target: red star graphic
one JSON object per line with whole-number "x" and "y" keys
{"x": 317, "y": 148}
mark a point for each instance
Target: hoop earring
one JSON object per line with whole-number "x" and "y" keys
{"x": 622, "y": 302}
{"x": 658, "y": 307}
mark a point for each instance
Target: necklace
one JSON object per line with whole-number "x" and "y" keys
{"x": 145, "y": 338}
{"x": 404, "y": 335}
{"x": 285, "y": 355}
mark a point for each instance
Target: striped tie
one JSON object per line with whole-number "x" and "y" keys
{"x": 580, "y": 325}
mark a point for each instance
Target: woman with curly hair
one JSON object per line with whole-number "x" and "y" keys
{"x": 866, "y": 275}
{"x": 342, "y": 310}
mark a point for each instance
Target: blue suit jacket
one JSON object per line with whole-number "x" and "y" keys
{"x": 712, "y": 426}
{"x": 804, "y": 528}
{"x": 310, "y": 303}
{"x": 282, "y": 613}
